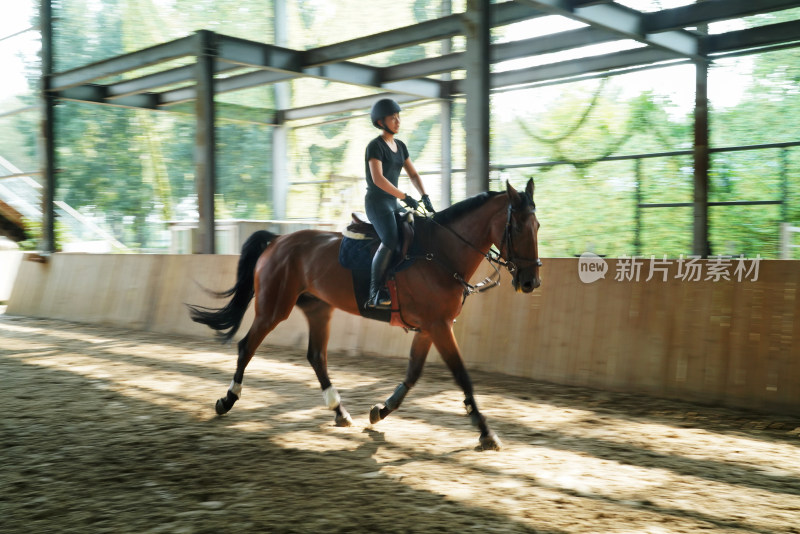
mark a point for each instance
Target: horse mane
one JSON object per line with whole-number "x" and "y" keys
{"x": 463, "y": 207}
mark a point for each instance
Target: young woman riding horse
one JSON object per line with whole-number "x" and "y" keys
{"x": 302, "y": 269}
{"x": 385, "y": 157}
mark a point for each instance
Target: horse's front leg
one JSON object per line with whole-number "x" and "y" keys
{"x": 419, "y": 352}
{"x": 445, "y": 342}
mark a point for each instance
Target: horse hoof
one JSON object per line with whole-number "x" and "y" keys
{"x": 375, "y": 413}
{"x": 344, "y": 420}
{"x": 490, "y": 442}
{"x": 220, "y": 407}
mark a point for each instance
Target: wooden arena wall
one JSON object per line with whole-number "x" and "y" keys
{"x": 732, "y": 342}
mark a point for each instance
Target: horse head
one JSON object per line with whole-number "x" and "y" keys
{"x": 520, "y": 244}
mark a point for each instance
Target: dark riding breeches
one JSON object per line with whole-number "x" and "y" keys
{"x": 381, "y": 214}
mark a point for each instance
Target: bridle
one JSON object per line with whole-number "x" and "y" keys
{"x": 512, "y": 261}
{"x": 492, "y": 256}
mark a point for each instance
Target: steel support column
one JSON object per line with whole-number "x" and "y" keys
{"x": 446, "y": 125}
{"x": 446, "y": 156}
{"x": 476, "y": 85}
{"x": 784, "y": 184}
{"x": 280, "y": 134}
{"x": 205, "y": 143}
{"x": 701, "y": 245}
{"x": 48, "y": 244}
{"x": 638, "y": 196}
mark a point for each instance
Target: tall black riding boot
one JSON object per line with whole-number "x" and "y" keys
{"x": 378, "y": 296}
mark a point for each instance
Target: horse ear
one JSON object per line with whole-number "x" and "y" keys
{"x": 529, "y": 188}
{"x": 513, "y": 196}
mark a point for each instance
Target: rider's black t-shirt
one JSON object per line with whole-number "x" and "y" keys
{"x": 392, "y": 165}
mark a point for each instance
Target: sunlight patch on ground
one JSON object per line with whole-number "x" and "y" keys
{"x": 58, "y": 334}
{"x": 8, "y": 327}
{"x": 697, "y": 444}
{"x": 178, "y": 391}
{"x": 250, "y": 426}
{"x": 580, "y": 473}
{"x": 545, "y": 472}
{"x": 693, "y": 443}
{"x": 301, "y": 415}
{"x": 403, "y": 432}
{"x": 211, "y": 360}
{"x": 601, "y": 488}
{"x": 10, "y": 344}
{"x": 722, "y": 500}
{"x": 499, "y": 493}
{"x": 314, "y": 441}
{"x": 533, "y": 415}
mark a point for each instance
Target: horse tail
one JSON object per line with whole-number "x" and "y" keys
{"x": 229, "y": 317}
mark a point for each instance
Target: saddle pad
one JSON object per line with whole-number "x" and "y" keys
{"x": 357, "y": 254}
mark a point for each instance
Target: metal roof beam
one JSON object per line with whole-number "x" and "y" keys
{"x": 502, "y": 52}
{"x": 604, "y": 62}
{"x": 98, "y": 94}
{"x": 225, "y": 85}
{"x": 178, "y": 48}
{"x": 626, "y": 22}
{"x": 418, "y": 87}
{"x": 423, "y": 32}
{"x": 251, "y": 79}
{"x": 414, "y": 89}
{"x": 342, "y": 106}
{"x": 783, "y": 32}
{"x": 254, "y": 54}
{"x": 347, "y": 72}
{"x": 161, "y": 79}
{"x": 710, "y": 11}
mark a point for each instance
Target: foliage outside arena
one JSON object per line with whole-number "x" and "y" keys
{"x": 132, "y": 171}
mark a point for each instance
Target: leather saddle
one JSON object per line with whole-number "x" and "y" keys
{"x": 361, "y": 228}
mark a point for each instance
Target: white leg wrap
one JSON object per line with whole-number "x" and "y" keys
{"x": 331, "y": 397}
{"x": 236, "y": 389}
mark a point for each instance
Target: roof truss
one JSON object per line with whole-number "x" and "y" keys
{"x": 666, "y": 36}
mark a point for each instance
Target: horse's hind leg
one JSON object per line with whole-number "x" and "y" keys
{"x": 318, "y": 314}
{"x": 225, "y": 404}
{"x": 247, "y": 348}
{"x": 419, "y": 352}
{"x": 269, "y": 313}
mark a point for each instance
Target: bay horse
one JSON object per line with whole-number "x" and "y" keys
{"x": 302, "y": 269}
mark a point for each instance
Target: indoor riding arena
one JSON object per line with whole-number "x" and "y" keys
{"x": 648, "y": 423}
{"x": 607, "y": 286}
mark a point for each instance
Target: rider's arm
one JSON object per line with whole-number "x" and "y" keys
{"x": 414, "y": 176}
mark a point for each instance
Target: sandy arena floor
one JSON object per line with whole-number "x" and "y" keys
{"x": 106, "y": 430}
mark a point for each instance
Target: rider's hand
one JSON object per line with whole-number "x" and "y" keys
{"x": 411, "y": 203}
{"x": 426, "y": 201}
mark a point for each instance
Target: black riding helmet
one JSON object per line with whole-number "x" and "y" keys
{"x": 383, "y": 108}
